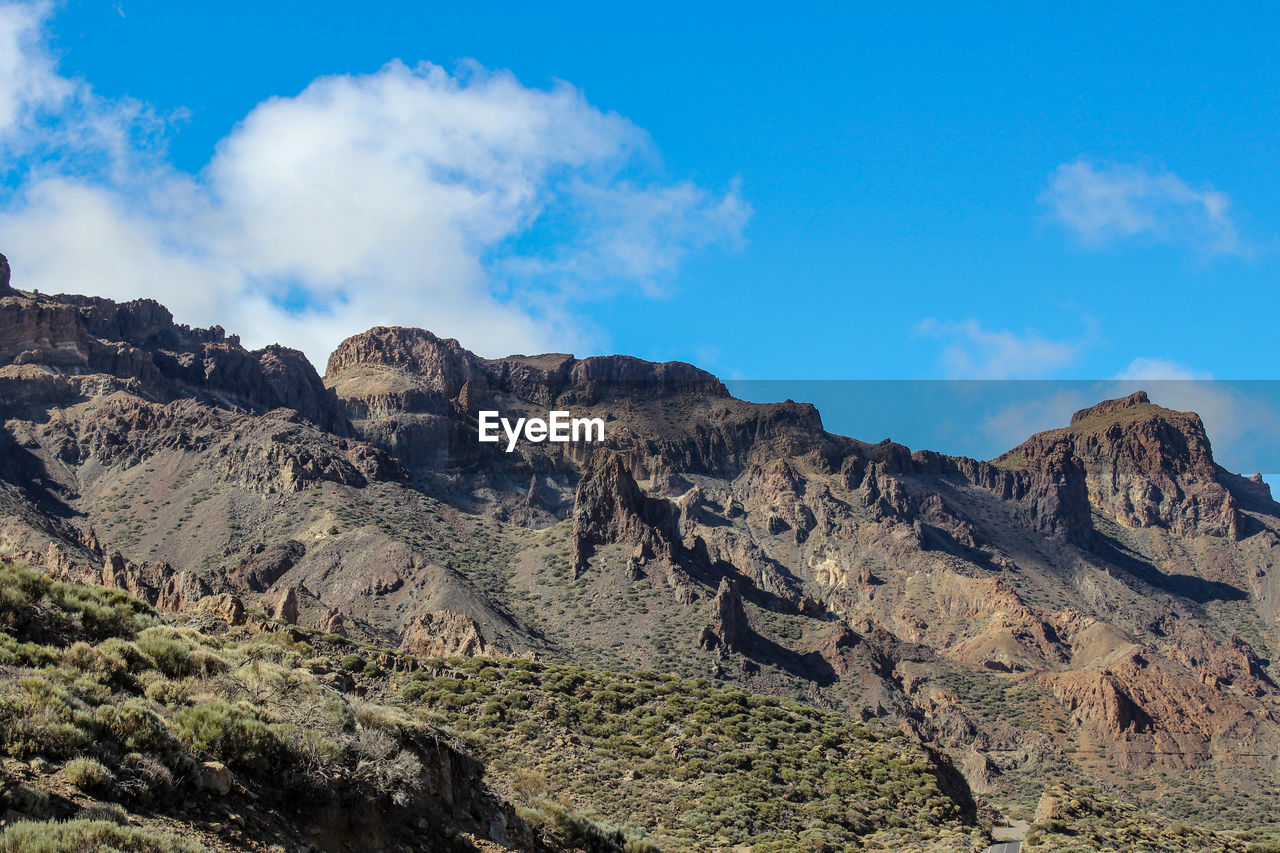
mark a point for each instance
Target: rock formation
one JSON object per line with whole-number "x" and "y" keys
{"x": 1100, "y": 579}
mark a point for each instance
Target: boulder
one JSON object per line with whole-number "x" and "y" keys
{"x": 212, "y": 777}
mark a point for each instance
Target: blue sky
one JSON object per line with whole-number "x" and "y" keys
{"x": 840, "y": 191}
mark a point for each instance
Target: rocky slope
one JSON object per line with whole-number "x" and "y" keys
{"x": 126, "y": 730}
{"x": 1099, "y": 602}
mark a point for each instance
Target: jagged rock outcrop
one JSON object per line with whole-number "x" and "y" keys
{"x": 285, "y": 607}
{"x": 1142, "y": 465}
{"x": 443, "y": 633}
{"x": 610, "y": 507}
{"x": 266, "y": 564}
{"x": 158, "y": 584}
{"x": 417, "y": 395}
{"x": 728, "y": 630}
{"x": 5, "y": 288}
{"x": 1102, "y": 702}
{"x": 138, "y": 341}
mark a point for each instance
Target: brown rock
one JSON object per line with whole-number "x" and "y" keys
{"x": 266, "y": 564}
{"x": 225, "y": 605}
{"x": 1047, "y": 808}
{"x": 286, "y": 606}
{"x": 1141, "y": 464}
{"x": 728, "y": 630}
{"x": 333, "y": 623}
{"x": 442, "y": 633}
{"x": 610, "y": 507}
{"x": 212, "y": 777}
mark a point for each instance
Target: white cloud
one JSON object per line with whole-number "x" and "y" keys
{"x": 28, "y": 80}
{"x": 1008, "y": 425}
{"x": 1105, "y": 204}
{"x": 1142, "y": 369}
{"x": 466, "y": 203}
{"x": 974, "y": 352}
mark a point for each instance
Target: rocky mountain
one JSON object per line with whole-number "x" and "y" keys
{"x": 1097, "y": 604}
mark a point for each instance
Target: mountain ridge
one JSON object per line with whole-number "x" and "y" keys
{"x": 1108, "y": 581}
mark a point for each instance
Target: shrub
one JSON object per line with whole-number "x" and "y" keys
{"x": 177, "y": 656}
{"x": 136, "y": 727}
{"x": 573, "y": 830}
{"x": 386, "y": 768}
{"x": 353, "y": 663}
{"x": 148, "y": 779}
{"x": 41, "y": 718}
{"x": 228, "y": 733}
{"x": 26, "y": 799}
{"x": 105, "y": 811}
{"x": 102, "y": 836}
{"x": 106, "y": 666}
{"x": 166, "y": 692}
{"x": 87, "y": 774}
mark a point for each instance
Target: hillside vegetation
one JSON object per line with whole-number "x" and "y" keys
{"x": 122, "y": 729}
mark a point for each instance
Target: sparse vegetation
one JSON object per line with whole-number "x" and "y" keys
{"x": 1085, "y": 819}
{"x": 690, "y": 759}
{"x": 129, "y": 704}
{"x": 101, "y": 836}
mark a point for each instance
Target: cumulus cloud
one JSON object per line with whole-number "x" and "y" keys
{"x": 464, "y": 202}
{"x": 972, "y": 351}
{"x": 1103, "y": 204}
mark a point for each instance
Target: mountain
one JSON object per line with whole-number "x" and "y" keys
{"x": 1096, "y": 605}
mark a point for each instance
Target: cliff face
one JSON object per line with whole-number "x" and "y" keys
{"x": 1143, "y": 466}
{"x": 138, "y": 343}
{"x": 1107, "y": 583}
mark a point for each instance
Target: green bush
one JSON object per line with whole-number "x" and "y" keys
{"x": 575, "y": 831}
{"x": 42, "y": 718}
{"x": 66, "y": 611}
{"x": 176, "y": 655}
{"x": 136, "y": 727}
{"x": 87, "y": 774}
{"x": 230, "y": 734}
{"x": 26, "y": 799}
{"x": 105, "y": 811}
{"x": 100, "y": 836}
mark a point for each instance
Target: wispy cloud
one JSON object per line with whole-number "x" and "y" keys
{"x": 1145, "y": 368}
{"x": 972, "y": 351}
{"x": 1104, "y": 204}
{"x": 465, "y": 202}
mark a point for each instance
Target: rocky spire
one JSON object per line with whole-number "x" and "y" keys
{"x": 5, "y": 289}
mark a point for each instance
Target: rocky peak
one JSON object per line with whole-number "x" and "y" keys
{"x": 139, "y": 342}
{"x": 5, "y": 289}
{"x": 442, "y": 365}
{"x": 1144, "y": 465}
{"x": 600, "y": 377}
{"x": 1106, "y": 407}
{"x": 728, "y": 629}
{"x": 439, "y": 363}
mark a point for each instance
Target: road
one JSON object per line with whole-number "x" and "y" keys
{"x": 1008, "y": 839}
